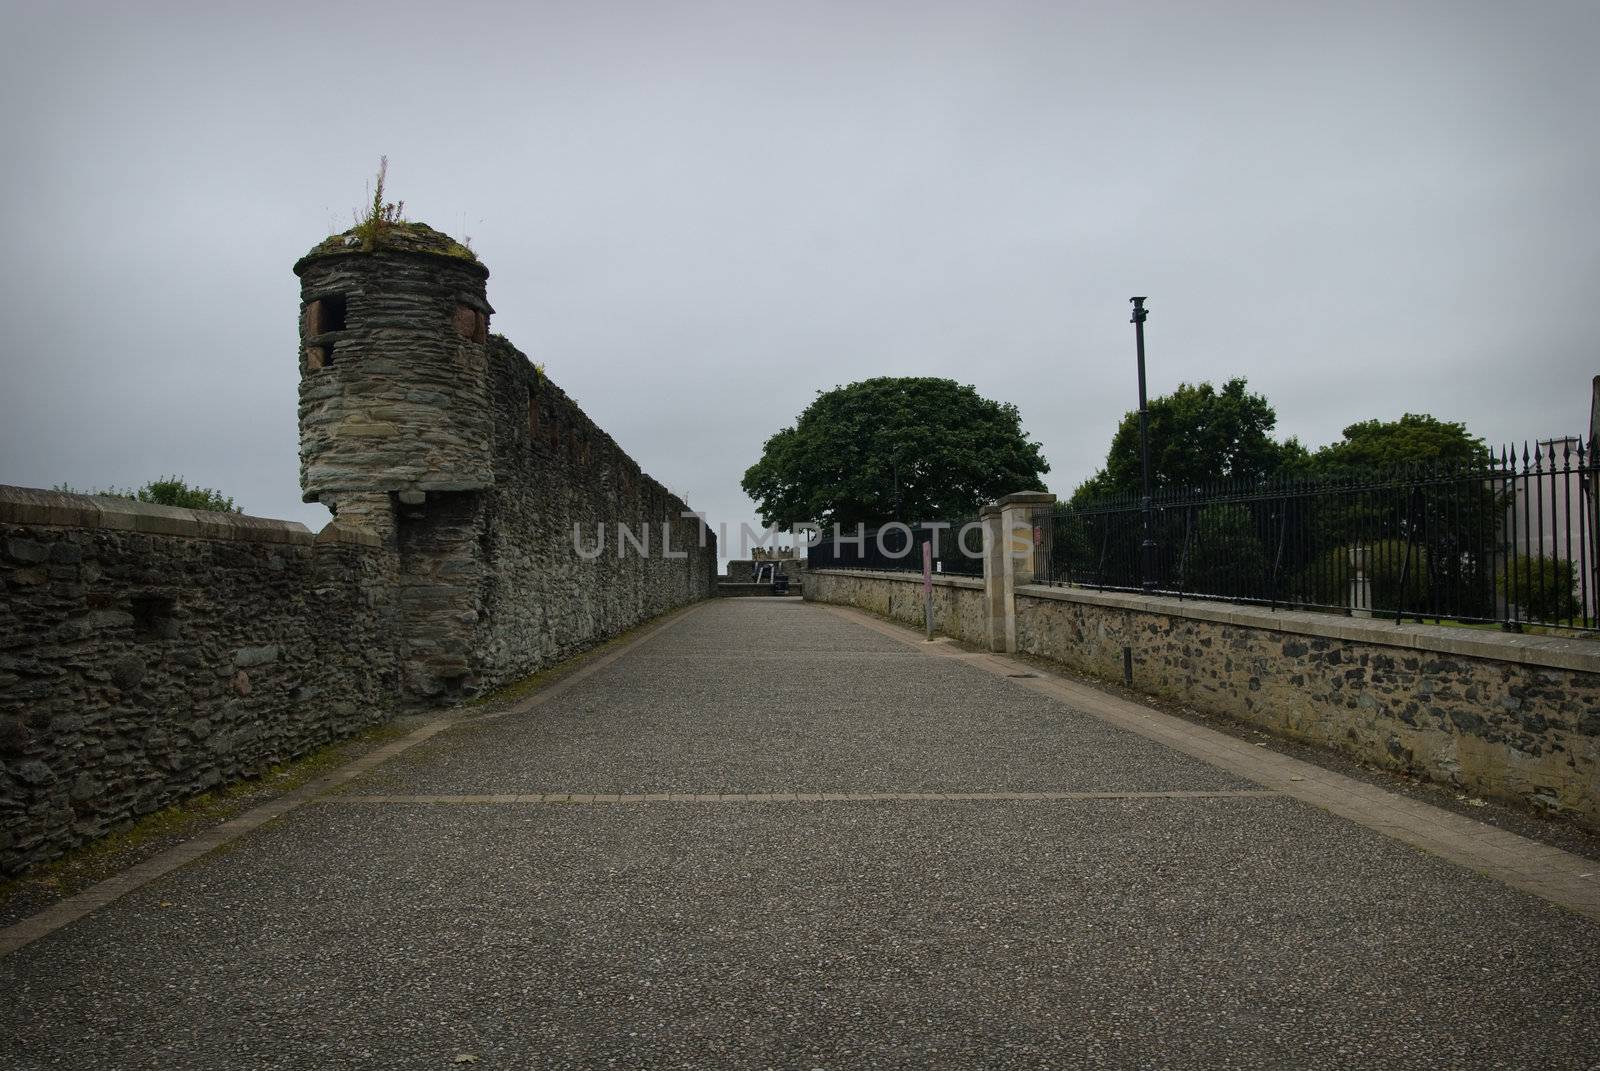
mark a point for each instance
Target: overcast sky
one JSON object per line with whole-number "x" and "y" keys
{"x": 697, "y": 215}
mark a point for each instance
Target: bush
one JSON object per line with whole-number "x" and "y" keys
{"x": 1544, "y": 587}
{"x": 1326, "y": 581}
{"x": 1225, "y": 557}
{"x": 167, "y": 491}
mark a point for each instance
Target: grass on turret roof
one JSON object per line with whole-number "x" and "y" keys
{"x": 401, "y": 237}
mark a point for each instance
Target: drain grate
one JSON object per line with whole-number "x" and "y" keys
{"x": 1022, "y": 674}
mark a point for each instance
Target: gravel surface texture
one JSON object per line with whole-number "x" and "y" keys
{"x": 1235, "y": 932}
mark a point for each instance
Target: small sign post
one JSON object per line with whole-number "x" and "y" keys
{"x": 927, "y": 587}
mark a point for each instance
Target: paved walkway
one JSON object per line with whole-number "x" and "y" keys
{"x": 777, "y": 835}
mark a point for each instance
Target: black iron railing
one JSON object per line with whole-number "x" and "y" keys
{"x": 958, "y": 547}
{"x": 1513, "y": 541}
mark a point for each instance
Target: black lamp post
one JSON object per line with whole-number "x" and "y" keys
{"x": 1147, "y": 549}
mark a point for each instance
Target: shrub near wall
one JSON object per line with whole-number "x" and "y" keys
{"x": 150, "y": 653}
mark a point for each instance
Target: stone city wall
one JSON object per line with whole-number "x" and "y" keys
{"x": 562, "y": 487}
{"x": 150, "y": 653}
{"x": 484, "y": 529}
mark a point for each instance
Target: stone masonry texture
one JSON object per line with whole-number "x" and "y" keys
{"x": 148, "y": 654}
{"x": 1495, "y": 727}
{"x": 141, "y": 667}
{"x": 958, "y": 602}
{"x": 394, "y": 393}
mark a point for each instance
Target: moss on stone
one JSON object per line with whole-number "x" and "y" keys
{"x": 402, "y": 237}
{"x": 150, "y": 834}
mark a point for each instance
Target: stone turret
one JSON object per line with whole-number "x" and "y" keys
{"x": 394, "y": 381}
{"x": 467, "y": 471}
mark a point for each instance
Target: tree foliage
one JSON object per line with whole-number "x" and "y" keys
{"x": 1414, "y": 439}
{"x": 906, "y": 447}
{"x": 1397, "y": 576}
{"x": 1198, "y": 435}
{"x": 1384, "y": 485}
{"x": 1544, "y": 586}
{"x": 166, "y": 491}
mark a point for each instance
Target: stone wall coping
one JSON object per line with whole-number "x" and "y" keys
{"x": 1551, "y": 652}
{"x": 1026, "y": 498}
{"x": 939, "y": 579}
{"x": 32, "y": 505}
{"x": 334, "y": 532}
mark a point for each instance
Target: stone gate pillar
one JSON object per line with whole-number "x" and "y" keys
{"x": 995, "y": 596}
{"x": 1019, "y": 554}
{"x": 1010, "y": 559}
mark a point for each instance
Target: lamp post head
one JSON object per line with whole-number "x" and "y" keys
{"x": 1139, "y": 311}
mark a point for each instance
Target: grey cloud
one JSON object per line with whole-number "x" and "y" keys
{"x": 698, "y": 215}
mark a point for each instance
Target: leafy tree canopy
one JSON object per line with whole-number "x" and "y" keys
{"x": 1198, "y": 435}
{"x": 1416, "y": 438}
{"x": 906, "y": 447}
{"x": 167, "y": 491}
{"x": 1544, "y": 586}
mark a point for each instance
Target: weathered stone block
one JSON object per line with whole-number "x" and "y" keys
{"x": 14, "y": 736}
{"x": 35, "y": 773}
{"x": 127, "y": 673}
{"x": 27, "y": 551}
{"x": 352, "y": 429}
{"x": 246, "y": 657}
{"x": 108, "y": 619}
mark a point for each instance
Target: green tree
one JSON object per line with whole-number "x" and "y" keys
{"x": 1225, "y": 554}
{"x": 166, "y": 491}
{"x": 907, "y": 447}
{"x": 1198, "y": 435}
{"x": 1544, "y": 587}
{"x": 1326, "y": 580}
{"x": 1414, "y": 439}
{"x": 1456, "y": 519}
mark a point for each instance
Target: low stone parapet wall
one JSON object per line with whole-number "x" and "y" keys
{"x": 1516, "y": 717}
{"x": 150, "y": 653}
{"x": 958, "y": 601}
